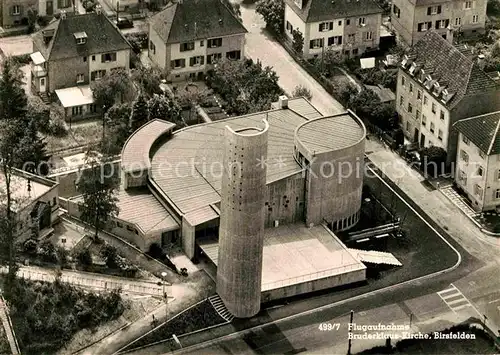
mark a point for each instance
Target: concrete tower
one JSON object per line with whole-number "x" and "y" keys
{"x": 241, "y": 238}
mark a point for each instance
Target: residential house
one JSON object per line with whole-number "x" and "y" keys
{"x": 439, "y": 84}
{"x": 73, "y": 51}
{"x": 16, "y": 12}
{"x": 49, "y": 8}
{"x": 350, "y": 26}
{"x": 478, "y": 160}
{"x": 412, "y": 18}
{"x": 35, "y": 202}
{"x": 187, "y": 37}
{"x": 127, "y": 5}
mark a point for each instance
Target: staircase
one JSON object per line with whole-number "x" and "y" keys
{"x": 45, "y": 98}
{"x": 219, "y": 306}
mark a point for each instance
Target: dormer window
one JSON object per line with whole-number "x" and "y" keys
{"x": 422, "y": 76}
{"x": 81, "y": 37}
{"x": 412, "y": 68}
{"x": 405, "y": 61}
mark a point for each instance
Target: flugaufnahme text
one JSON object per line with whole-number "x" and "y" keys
{"x": 377, "y": 327}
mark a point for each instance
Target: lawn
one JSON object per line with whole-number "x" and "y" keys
{"x": 78, "y": 135}
{"x": 200, "y": 316}
{"x": 490, "y": 221}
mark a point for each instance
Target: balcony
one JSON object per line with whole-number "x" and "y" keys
{"x": 38, "y": 71}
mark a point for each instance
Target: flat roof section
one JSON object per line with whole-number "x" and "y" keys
{"x": 23, "y": 195}
{"x": 331, "y": 133}
{"x": 135, "y": 152}
{"x": 75, "y": 96}
{"x": 188, "y": 167}
{"x": 295, "y": 254}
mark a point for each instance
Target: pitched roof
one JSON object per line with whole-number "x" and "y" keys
{"x": 195, "y": 19}
{"x": 483, "y": 131}
{"x": 102, "y": 36}
{"x": 459, "y": 74}
{"x": 324, "y": 10}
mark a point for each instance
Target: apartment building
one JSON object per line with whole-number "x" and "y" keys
{"x": 348, "y": 26}
{"x": 439, "y": 84}
{"x": 186, "y": 38}
{"x": 16, "y": 12}
{"x": 49, "y": 8}
{"x": 478, "y": 160}
{"x": 412, "y": 18}
{"x": 73, "y": 51}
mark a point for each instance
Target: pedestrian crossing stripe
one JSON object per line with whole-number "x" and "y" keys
{"x": 456, "y": 304}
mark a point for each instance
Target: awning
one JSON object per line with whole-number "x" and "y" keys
{"x": 37, "y": 58}
{"x": 375, "y": 257}
{"x": 367, "y": 63}
{"x": 75, "y": 96}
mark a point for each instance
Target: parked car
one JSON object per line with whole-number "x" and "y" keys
{"x": 123, "y": 22}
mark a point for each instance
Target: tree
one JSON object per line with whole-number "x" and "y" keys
{"x": 13, "y": 98}
{"x": 118, "y": 129}
{"x": 89, "y": 5}
{"x": 493, "y": 7}
{"x": 32, "y": 147}
{"x": 140, "y": 113}
{"x": 302, "y": 91}
{"x": 40, "y": 113}
{"x": 160, "y": 106}
{"x": 330, "y": 59}
{"x": 111, "y": 256}
{"x": 85, "y": 257}
{"x": 432, "y": 160}
{"x": 32, "y": 17}
{"x": 97, "y": 185}
{"x": 273, "y": 12}
{"x": 111, "y": 88}
{"x": 149, "y": 80}
{"x": 298, "y": 41}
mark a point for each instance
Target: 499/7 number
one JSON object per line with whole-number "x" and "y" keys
{"x": 325, "y": 327}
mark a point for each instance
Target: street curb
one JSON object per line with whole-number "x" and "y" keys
{"x": 355, "y": 298}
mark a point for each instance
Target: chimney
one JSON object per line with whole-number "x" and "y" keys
{"x": 98, "y": 9}
{"x": 449, "y": 34}
{"x": 283, "y": 102}
{"x": 480, "y": 61}
{"x": 220, "y": 22}
{"x": 62, "y": 15}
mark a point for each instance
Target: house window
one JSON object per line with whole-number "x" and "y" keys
{"x": 325, "y": 26}
{"x": 462, "y": 176}
{"x": 340, "y": 23}
{"x": 498, "y": 174}
{"x": 465, "y": 139}
{"x": 351, "y": 38}
{"x": 16, "y": 10}
{"x": 213, "y": 58}
{"x": 424, "y": 26}
{"x": 458, "y": 21}
{"x": 368, "y": 36}
{"x": 464, "y": 156}
{"x": 480, "y": 171}
{"x": 433, "y": 109}
{"x": 289, "y": 27}
{"x": 76, "y": 110}
{"x": 347, "y": 22}
{"x": 316, "y": 43}
{"x": 97, "y": 75}
{"x": 411, "y": 87}
{"x": 361, "y": 21}
{"x": 440, "y": 135}
{"x": 481, "y": 153}
{"x": 478, "y": 190}
{"x": 335, "y": 40}
{"x": 403, "y": 81}
{"x": 468, "y": 5}
{"x": 433, "y": 10}
{"x": 401, "y": 101}
{"x": 497, "y": 194}
{"x": 178, "y": 63}
{"x": 108, "y": 57}
{"x": 417, "y": 115}
{"x": 410, "y": 108}
{"x": 441, "y": 115}
{"x": 152, "y": 47}
{"x": 408, "y": 126}
{"x": 396, "y": 11}
{"x": 84, "y": 59}
{"x": 202, "y": 43}
{"x": 196, "y": 61}
{"x": 214, "y": 43}
{"x": 475, "y": 19}
{"x": 442, "y": 24}
{"x": 419, "y": 95}
{"x": 80, "y": 78}
{"x": 233, "y": 55}
{"x": 93, "y": 58}
{"x": 130, "y": 229}
{"x": 425, "y": 100}
{"x": 432, "y": 127}
{"x": 424, "y": 120}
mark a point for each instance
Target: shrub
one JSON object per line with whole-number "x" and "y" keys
{"x": 47, "y": 251}
{"x": 138, "y": 41}
{"x": 30, "y": 246}
{"x": 109, "y": 253}
{"x": 84, "y": 257}
{"x": 22, "y": 59}
{"x": 302, "y": 91}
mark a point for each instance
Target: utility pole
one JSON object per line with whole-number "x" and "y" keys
{"x": 350, "y": 332}
{"x": 165, "y": 296}
{"x": 484, "y": 321}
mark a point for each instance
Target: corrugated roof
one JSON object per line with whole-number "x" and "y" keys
{"x": 324, "y": 10}
{"x": 483, "y": 131}
{"x": 102, "y": 37}
{"x": 454, "y": 71}
{"x": 140, "y": 207}
{"x": 201, "y": 215}
{"x": 376, "y": 257}
{"x": 331, "y": 133}
{"x": 195, "y": 19}
{"x": 135, "y": 152}
{"x": 187, "y": 167}
{"x": 304, "y": 108}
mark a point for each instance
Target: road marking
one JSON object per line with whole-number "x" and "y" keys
{"x": 490, "y": 302}
{"x": 456, "y": 304}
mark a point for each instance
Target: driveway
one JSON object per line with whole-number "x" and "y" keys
{"x": 261, "y": 46}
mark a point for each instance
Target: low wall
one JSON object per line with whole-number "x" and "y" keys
{"x": 315, "y": 285}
